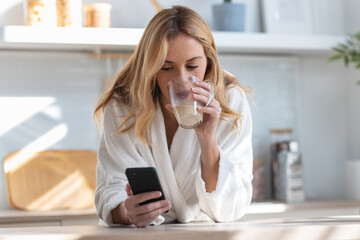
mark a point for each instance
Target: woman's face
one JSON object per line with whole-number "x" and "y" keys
{"x": 185, "y": 57}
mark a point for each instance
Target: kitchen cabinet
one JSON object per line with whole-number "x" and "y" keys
{"x": 126, "y": 39}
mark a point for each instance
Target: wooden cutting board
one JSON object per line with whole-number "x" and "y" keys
{"x": 49, "y": 180}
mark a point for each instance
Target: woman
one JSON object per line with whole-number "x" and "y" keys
{"x": 205, "y": 173}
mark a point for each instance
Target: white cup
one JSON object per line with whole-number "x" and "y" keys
{"x": 184, "y": 106}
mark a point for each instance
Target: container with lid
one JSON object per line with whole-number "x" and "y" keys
{"x": 287, "y": 174}
{"x": 69, "y": 13}
{"x": 97, "y": 15}
{"x": 40, "y": 12}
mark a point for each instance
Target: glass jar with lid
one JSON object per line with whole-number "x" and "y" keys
{"x": 40, "y": 12}
{"x": 69, "y": 13}
{"x": 97, "y": 15}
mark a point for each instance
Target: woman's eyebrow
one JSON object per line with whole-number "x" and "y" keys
{"x": 189, "y": 60}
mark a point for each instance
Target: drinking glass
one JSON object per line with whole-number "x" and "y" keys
{"x": 184, "y": 106}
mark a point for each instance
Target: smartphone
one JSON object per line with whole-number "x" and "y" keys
{"x": 144, "y": 180}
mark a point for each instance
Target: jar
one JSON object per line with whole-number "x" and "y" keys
{"x": 97, "y": 15}
{"x": 39, "y": 13}
{"x": 278, "y": 142}
{"x": 69, "y": 13}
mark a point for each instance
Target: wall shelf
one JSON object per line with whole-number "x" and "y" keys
{"x": 126, "y": 39}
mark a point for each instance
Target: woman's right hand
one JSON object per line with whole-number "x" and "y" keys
{"x": 143, "y": 215}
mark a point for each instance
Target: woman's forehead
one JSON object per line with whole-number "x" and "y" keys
{"x": 185, "y": 47}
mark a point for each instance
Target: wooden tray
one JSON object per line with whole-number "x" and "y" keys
{"x": 49, "y": 180}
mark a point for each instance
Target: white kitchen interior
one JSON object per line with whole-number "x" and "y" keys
{"x": 47, "y": 92}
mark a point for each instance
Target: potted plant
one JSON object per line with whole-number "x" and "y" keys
{"x": 349, "y": 52}
{"x": 229, "y": 16}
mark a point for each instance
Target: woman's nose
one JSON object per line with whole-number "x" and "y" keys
{"x": 183, "y": 74}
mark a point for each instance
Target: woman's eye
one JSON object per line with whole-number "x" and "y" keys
{"x": 166, "y": 68}
{"x": 192, "y": 67}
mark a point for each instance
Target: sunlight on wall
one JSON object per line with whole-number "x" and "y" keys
{"x": 40, "y": 144}
{"x": 63, "y": 192}
{"x": 16, "y": 110}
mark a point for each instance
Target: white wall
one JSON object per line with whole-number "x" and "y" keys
{"x": 329, "y": 17}
{"x": 353, "y": 114}
{"x": 352, "y": 25}
{"x": 46, "y": 103}
{"x": 322, "y": 121}
{"x": 352, "y": 16}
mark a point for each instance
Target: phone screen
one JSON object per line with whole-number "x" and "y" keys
{"x": 144, "y": 180}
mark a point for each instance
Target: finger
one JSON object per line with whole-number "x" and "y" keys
{"x": 142, "y": 197}
{"x": 145, "y": 219}
{"x": 201, "y": 91}
{"x": 204, "y": 100}
{"x": 215, "y": 112}
{"x": 147, "y": 208}
{"x": 128, "y": 190}
{"x": 169, "y": 108}
{"x": 135, "y": 213}
{"x": 204, "y": 85}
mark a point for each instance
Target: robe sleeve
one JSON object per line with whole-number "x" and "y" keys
{"x": 232, "y": 196}
{"x": 116, "y": 152}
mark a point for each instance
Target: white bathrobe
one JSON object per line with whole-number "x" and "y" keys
{"x": 179, "y": 169}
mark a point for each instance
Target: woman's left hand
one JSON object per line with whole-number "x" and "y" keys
{"x": 211, "y": 116}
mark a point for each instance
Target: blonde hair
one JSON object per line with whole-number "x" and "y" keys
{"x": 136, "y": 86}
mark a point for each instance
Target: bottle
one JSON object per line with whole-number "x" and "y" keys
{"x": 287, "y": 174}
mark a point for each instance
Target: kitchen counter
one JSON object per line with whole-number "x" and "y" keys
{"x": 310, "y": 229}
{"x": 308, "y": 209}
{"x": 257, "y": 211}
{"x": 20, "y": 218}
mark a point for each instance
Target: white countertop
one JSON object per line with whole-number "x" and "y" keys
{"x": 256, "y": 211}
{"x": 312, "y": 229}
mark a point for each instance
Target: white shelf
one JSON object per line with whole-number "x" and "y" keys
{"x": 126, "y": 39}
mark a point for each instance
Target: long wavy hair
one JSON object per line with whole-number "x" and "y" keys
{"x": 136, "y": 86}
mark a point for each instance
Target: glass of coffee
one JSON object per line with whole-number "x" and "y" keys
{"x": 184, "y": 106}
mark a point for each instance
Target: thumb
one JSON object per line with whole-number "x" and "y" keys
{"x": 128, "y": 190}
